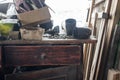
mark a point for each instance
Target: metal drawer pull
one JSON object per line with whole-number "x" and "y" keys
{"x": 43, "y": 56}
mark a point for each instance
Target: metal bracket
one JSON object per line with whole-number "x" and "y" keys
{"x": 103, "y": 15}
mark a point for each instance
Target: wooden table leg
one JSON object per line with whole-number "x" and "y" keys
{"x": 1, "y": 74}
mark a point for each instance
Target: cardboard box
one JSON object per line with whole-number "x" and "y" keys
{"x": 34, "y": 16}
{"x": 31, "y": 34}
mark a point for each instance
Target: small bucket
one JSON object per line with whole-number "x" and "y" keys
{"x": 70, "y": 25}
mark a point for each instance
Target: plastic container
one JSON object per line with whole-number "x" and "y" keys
{"x": 70, "y": 25}
{"x": 5, "y": 28}
{"x": 82, "y": 33}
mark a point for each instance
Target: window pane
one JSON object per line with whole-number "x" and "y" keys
{"x": 64, "y": 9}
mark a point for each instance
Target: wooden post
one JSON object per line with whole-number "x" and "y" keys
{"x": 0, "y": 57}
{"x": 1, "y": 75}
{"x": 90, "y": 13}
{"x": 86, "y": 50}
{"x": 90, "y": 52}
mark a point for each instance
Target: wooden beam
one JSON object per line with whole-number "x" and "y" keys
{"x": 90, "y": 51}
{"x": 90, "y": 13}
{"x": 85, "y": 58}
{"x": 94, "y": 25}
{"x": 99, "y": 3}
{"x": 89, "y": 62}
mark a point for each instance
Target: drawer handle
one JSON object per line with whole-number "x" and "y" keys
{"x": 43, "y": 56}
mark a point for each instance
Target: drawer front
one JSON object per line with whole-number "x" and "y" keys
{"x": 59, "y": 73}
{"x": 41, "y": 55}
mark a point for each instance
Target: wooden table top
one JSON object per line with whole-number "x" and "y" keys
{"x": 48, "y": 41}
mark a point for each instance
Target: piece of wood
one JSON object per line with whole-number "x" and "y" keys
{"x": 85, "y": 53}
{"x": 113, "y": 48}
{"x": 90, "y": 51}
{"x": 103, "y": 44}
{"x": 98, "y": 3}
{"x": 98, "y": 46}
{"x": 88, "y": 62}
{"x": 90, "y": 13}
{"x": 85, "y": 50}
{"x": 100, "y": 57}
{"x": 94, "y": 63}
{"x": 94, "y": 25}
{"x": 48, "y": 41}
{"x": 114, "y": 13}
{"x": 113, "y": 74}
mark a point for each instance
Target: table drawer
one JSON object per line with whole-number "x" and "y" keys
{"x": 42, "y": 55}
{"x": 57, "y": 73}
